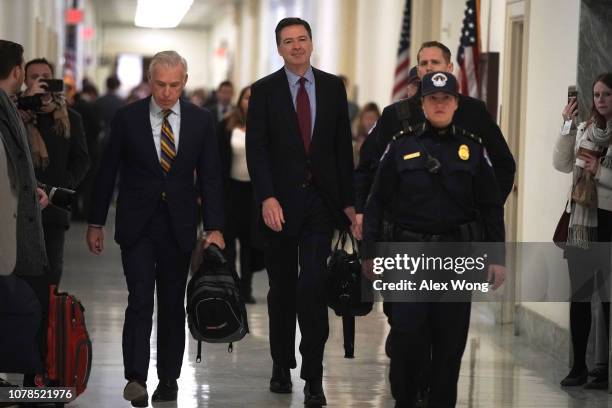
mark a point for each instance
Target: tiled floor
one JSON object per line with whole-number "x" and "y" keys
{"x": 498, "y": 369}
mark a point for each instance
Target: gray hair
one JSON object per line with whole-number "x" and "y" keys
{"x": 167, "y": 59}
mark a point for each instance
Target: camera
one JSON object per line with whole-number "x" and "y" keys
{"x": 34, "y": 102}
{"x": 30, "y": 103}
{"x": 59, "y": 196}
{"x": 53, "y": 85}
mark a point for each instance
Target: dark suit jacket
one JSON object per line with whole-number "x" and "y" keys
{"x": 68, "y": 161}
{"x": 226, "y": 155}
{"x": 276, "y": 158}
{"x": 31, "y": 254}
{"x": 471, "y": 115}
{"x": 214, "y": 109}
{"x": 131, "y": 152}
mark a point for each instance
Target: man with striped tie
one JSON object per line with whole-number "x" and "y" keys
{"x": 155, "y": 145}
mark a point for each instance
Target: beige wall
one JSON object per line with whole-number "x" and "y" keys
{"x": 552, "y": 66}
{"x": 38, "y": 25}
{"x": 378, "y": 30}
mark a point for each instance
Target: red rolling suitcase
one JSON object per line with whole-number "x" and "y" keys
{"x": 69, "y": 349}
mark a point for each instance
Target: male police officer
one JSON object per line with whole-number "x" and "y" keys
{"x": 430, "y": 184}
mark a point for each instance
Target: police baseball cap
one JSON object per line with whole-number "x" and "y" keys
{"x": 439, "y": 82}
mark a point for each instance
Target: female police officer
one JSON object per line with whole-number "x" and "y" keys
{"x": 434, "y": 183}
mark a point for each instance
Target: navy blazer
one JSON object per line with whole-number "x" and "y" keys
{"x": 130, "y": 150}
{"x": 277, "y": 161}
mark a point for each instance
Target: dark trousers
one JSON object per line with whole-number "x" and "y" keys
{"x": 438, "y": 330}
{"x": 300, "y": 293}
{"x": 55, "y": 235}
{"x": 240, "y": 222}
{"x": 584, "y": 266}
{"x": 155, "y": 259}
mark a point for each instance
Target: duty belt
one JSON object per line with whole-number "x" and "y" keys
{"x": 470, "y": 231}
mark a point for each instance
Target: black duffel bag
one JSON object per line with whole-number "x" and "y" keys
{"x": 344, "y": 288}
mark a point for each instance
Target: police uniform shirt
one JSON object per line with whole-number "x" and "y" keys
{"x": 471, "y": 116}
{"x": 417, "y": 200}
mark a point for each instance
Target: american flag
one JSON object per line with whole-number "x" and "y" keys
{"x": 469, "y": 50}
{"x": 403, "y": 56}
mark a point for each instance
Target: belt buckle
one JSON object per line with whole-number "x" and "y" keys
{"x": 163, "y": 196}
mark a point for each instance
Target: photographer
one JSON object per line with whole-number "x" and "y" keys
{"x": 583, "y": 149}
{"x": 59, "y": 153}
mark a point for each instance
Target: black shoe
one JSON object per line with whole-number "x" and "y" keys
{"x": 599, "y": 383}
{"x": 166, "y": 391}
{"x": 280, "y": 382}
{"x": 575, "y": 378}
{"x": 136, "y": 393}
{"x": 313, "y": 394}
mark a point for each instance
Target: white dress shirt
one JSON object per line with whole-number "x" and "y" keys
{"x": 239, "y": 170}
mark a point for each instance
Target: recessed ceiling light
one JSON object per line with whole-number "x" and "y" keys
{"x": 161, "y": 13}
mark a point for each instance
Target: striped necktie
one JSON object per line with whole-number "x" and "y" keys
{"x": 168, "y": 150}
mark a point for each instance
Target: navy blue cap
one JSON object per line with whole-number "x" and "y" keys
{"x": 439, "y": 82}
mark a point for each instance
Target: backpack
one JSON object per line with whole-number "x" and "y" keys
{"x": 69, "y": 348}
{"x": 215, "y": 309}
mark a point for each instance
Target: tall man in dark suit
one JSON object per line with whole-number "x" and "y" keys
{"x": 156, "y": 144}
{"x": 300, "y": 161}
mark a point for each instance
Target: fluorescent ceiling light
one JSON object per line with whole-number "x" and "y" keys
{"x": 161, "y": 13}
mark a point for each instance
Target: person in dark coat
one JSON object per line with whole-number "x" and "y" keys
{"x": 435, "y": 185}
{"x": 471, "y": 115}
{"x": 60, "y": 156}
{"x": 240, "y": 224}
{"x": 156, "y": 146}
{"x": 300, "y": 160}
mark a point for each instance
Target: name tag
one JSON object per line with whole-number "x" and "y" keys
{"x": 412, "y": 155}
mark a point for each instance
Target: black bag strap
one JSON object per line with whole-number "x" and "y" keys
{"x": 341, "y": 241}
{"x": 402, "y": 110}
{"x": 199, "y": 356}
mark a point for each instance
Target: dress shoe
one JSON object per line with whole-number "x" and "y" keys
{"x": 280, "y": 382}
{"x": 575, "y": 378}
{"x": 313, "y": 394}
{"x": 136, "y": 393}
{"x": 598, "y": 383}
{"x": 166, "y": 391}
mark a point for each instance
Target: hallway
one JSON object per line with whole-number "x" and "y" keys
{"x": 498, "y": 370}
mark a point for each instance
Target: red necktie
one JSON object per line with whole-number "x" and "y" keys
{"x": 303, "y": 114}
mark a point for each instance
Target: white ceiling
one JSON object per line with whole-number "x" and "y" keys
{"x": 202, "y": 13}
